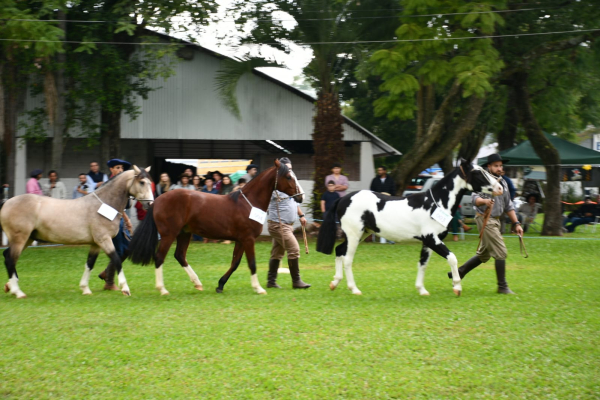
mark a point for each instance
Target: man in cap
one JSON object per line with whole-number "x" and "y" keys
{"x": 251, "y": 171}
{"x": 121, "y": 241}
{"x": 492, "y": 244}
{"x": 33, "y": 184}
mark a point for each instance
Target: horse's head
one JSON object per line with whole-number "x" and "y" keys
{"x": 478, "y": 179}
{"x": 141, "y": 186}
{"x": 287, "y": 181}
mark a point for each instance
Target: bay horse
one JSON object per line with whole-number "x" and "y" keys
{"x": 179, "y": 213}
{"x": 30, "y": 217}
{"x": 401, "y": 218}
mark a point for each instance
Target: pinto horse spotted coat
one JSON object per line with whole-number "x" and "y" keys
{"x": 400, "y": 218}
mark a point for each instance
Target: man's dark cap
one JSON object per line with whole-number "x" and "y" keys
{"x": 496, "y": 157}
{"x": 36, "y": 172}
{"x": 115, "y": 161}
{"x": 250, "y": 166}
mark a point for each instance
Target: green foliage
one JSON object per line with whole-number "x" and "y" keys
{"x": 314, "y": 344}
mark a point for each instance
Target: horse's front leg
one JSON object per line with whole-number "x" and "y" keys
{"x": 87, "y": 272}
{"x": 422, "y": 266}
{"x": 107, "y": 246}
{"x": 436, "y": 244}
{"x": 340, "y": 251}
{"x": 238, "y": 252}
{"x": 251, "y": 258}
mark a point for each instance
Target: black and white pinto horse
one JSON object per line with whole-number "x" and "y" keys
{"x": 401, "y": 218}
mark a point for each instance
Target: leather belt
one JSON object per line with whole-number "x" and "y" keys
{"x": 481, "y": 215}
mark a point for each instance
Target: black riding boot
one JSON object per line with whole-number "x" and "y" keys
{"x": 501, "y": 275}
{"x": 272, "y": 276}
{"x": 467, "y": 267}
{"x": 295, "y": 273}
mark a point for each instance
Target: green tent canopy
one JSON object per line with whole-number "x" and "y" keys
{"x": 571, "y": 154}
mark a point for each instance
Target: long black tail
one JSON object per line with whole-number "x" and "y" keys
{"x": 328, "y": 231}
{"x": 142, "y": 248}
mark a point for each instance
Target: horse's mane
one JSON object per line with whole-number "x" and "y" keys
{"x": 109, "y": 183}
{"x": 283, "y": 171}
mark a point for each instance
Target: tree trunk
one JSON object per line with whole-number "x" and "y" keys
{"x": 327, "y": 142}
{"x": 58, "y": 126}
{"x": 434, "y": 146}
{"x": 470, "y": 145}
{"x": 547, "y": 153}
{"x": 110, "y": 131}
{"x": 508, "y": 134}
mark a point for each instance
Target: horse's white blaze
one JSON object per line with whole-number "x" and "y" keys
{"x": 160, "y": 284}
{"x": 255, "y": 285}
{"x": 193, "y": 277}
{"x": 85, "y": 280}
{"x": 300, "y": 198}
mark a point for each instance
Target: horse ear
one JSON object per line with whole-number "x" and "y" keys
{"x": 462, "y": 161}
{"x": 277, "y": 163}
{"x": 148, "y": 169}
{"x": 136, "y": 169}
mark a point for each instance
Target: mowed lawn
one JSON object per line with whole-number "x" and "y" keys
{"x": 314, "y": 344}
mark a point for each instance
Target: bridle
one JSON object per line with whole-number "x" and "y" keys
{"x": 129, "y": 190}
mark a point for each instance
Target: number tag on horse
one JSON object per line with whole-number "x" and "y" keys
{"x": 441, "y": 216}
{"x": 258, "y": 215}
{"x": 107, "y": 212}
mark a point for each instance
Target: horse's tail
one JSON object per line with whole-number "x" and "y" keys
{"x": 328, "y": 231}
{"x": 142, "y": 248}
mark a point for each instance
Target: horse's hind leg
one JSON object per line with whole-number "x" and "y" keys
{"x": 238, "y": 252}
{"x": 183, "y": 242}
{"x": 251, "y": 257}
{"x": 340, "y": 250}
{"x": 11, "y": 256}
{"x": 353, "y": 241}
{"x": 87, "y": 272}
{"x": 422, "y": 266}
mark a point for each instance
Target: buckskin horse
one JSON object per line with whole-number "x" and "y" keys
{"x": 401, "y": 218}
{"x": 30, "y": 217}
{"x": 178, "y": 214}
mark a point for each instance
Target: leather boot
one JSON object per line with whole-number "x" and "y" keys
{"x": 501, "y": 275}
{"x": 295, "y": 273}
{"x": 108, "y": 276}
{"x": 272, "y": 276}
{"x": 467, "y": 267}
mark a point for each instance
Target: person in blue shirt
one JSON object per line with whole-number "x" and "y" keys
{"x": 209, "y": 186}
{"x": 83, "y": 187}
{"x": 328, "y": 198}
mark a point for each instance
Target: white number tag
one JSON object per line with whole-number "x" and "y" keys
{"x": 258, "y": 215}
{"x": 107, "y": 212}
{"x": 441, "y": 216}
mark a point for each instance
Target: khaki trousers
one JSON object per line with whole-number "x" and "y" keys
{"x": 283, "y": 240}
{"x": 492, "y": 243}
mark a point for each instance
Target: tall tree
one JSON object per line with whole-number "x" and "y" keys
{"x": 443, "y": 81}
{"x": 330, "y": 28}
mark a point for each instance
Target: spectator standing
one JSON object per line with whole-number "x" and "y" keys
{"x": 240, "y": 184}
{"x": 82, "y": 187}
{"x": 209, "y": 186}
{"x": 457, "y": 222}
{"x": 218, "y": 178}
{"x": 95, "y": 177}
{"x": 121, "y": 240}
{"x": 328, "y": 198}
{"x": 251, "y": 171}
{"x": 33, "y": 184}
{"x": 164, "y": 185}
{"x": 226, "y": 186}
{"x": 54, "y": 188}
{"x": 383, "y": 183}
{"x": 341, "y": 181}
{"x": 197, "y": 182}
{"x": 184, "y": 179}
{"x": 282, "y": 232}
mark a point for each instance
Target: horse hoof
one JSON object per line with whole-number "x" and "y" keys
{"x": 87, "y": 292}
{"x": 126, "y": 293}
{"x": 332, "y": 286}
{"x": 424, "y": 293}
{"x": 263, "y": 292}
{"x": 21, "y": 295}
{"x": 219, "y": 290}
{"x": 199, "y": 287}
{"x": 457, "y": 292}
{"x": 6, "y": 288}
{"x": 359, "y": 293}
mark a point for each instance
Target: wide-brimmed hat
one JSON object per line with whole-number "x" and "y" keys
{"x": 496, "y": 157}
{"x": 115, "y": 161}
{"x": 36, "y": 172}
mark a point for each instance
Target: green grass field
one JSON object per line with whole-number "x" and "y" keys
{"x": 313, "y": 344}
